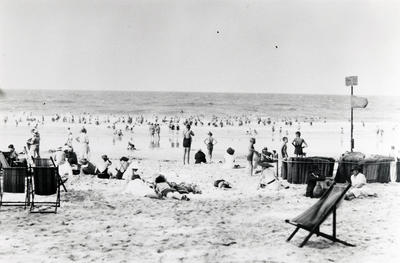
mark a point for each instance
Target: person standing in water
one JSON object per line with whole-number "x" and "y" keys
{"x": 250, "y": 155}
{"x": 210, "y": 142}
{"x": 83, "y": 140}
{"x": 187, "y": 143}
{"x": 299, "y": 143}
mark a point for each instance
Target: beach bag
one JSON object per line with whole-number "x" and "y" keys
{"x": 318, "y": 190}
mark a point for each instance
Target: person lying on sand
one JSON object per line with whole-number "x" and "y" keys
{"x": 358, "y": 185}
{"x": 164, "y": 190}
{"x": 221, "y": 183}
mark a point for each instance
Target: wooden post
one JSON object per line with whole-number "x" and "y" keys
{"x": 351, "y": 127}
{"x": 334, "y": 222}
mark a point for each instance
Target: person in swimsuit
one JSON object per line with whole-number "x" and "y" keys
{"x": 251, "y": 154}
{"x": 299, "y": 143}
{"x": 210, "y": 142}
{"x": 284, "y": 153}
{"x": 187, "y": 143}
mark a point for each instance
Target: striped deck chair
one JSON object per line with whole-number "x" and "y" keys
{"x": 3, "y": 161}
{"x": 313, "y": 217}
{"x": 16, "y": 181}
{"x": 46, "y": 182}
{"x": 48, "y": 162}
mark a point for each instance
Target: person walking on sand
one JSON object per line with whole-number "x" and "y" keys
{"x": 83, "y": 141}
{"x": 250, "y": 155}
{"x": 210, "y": 142}
{"x": 33, "y": 144}
{"x": 187, "y": 143}
{"x": 299, "y": 143}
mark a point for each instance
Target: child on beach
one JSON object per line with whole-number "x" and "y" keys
{"x": 187, "y": 142}
{"x": 83, "y": 140}
{"x": 284, "y": 153}
{"x": 210, "y": 142}
{"x": 299, "y": 143}
{"x": 250, "y": 155}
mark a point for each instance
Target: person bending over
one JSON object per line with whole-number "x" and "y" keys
{"x": 200, "y": 157}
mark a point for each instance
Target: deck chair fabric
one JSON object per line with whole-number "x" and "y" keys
{"x": 45, "y": 183}
{"x": 3, "y": 161}
{"x": 15, "y": 180}
{"x": 313, "y": 217}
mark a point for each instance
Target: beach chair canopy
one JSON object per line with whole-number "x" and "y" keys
{"x": 15, "y": 181}
{"x": 46, "y": 182}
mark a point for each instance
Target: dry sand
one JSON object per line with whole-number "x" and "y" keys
{"x": 98, "y": 222}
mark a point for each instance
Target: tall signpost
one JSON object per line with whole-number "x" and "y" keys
{"x": 351, "y": 81}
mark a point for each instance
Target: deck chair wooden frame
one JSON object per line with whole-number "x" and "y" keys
{"x": 11, "y": 178}
{"x": 50, "y": 161}
{"x": 48, "y": 206}
{"x": 315, "y": 229}
{"x": 61, "y": 182}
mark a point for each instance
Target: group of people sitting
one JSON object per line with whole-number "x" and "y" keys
{"x": 317, "y": 184}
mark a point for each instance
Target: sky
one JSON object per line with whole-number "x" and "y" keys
{"x": 261, "y": 46}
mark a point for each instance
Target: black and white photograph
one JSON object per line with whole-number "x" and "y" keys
{"x": 200, "y": 131}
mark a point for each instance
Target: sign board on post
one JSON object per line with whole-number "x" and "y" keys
{"x": 352, "y": 81}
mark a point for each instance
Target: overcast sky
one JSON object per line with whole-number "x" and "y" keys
{"x": 187, "y": 45}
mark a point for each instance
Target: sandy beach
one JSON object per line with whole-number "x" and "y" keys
{"x": 98, "y": 221}
{"x": 283, "y": 102}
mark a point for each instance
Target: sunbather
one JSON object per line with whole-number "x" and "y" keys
{"x": 359, "y": 186}
{"x": 87, "y": 167}
{"x": 229, "y": 159}
{"x": 102, "y": 168}
{"x": 269, "y": 179}
{"x": 221, "y": 183}
{"x": 164, "y": 190}
{"x": 124, "y": 164}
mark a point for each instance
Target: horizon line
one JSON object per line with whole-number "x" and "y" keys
{"x": 201, "y": 92}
